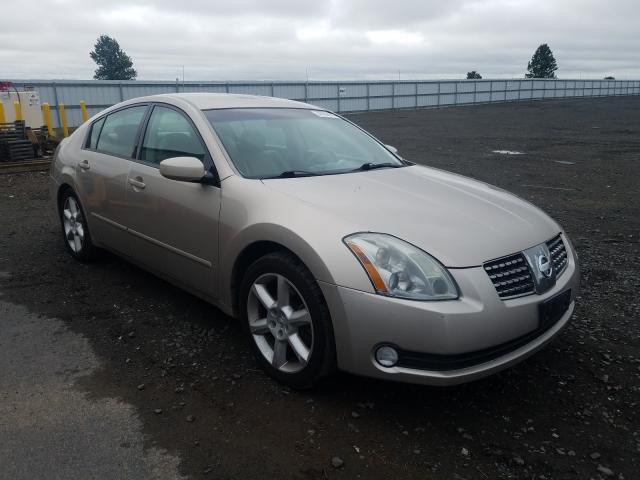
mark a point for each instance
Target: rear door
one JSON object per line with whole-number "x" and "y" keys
{"x": 175, "y": 223}
{"x": 102, "y": 174}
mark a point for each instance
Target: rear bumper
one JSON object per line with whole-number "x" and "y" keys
{"x": 446, "y": 342}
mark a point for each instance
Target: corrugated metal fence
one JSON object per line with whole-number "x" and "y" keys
{"x": 336, "y": 96}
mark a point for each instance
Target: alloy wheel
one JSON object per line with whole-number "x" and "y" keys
{"x": 280, "y": 322}
{"x": 73, "y": 223}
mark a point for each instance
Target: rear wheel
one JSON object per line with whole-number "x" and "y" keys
{"x": 287, "y": 321}
{"x": 75, "y": 231}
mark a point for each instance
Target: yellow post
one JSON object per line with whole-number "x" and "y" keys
{"x": 18, "y": 109}
{"x": 46, "y": 116}
{"x": 63, "y": 120}
{"x": 83, "y": 109}
{"x": 3, "y": 119}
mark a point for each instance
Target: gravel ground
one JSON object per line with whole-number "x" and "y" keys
{"x": 52, "y": 430}
{"x": 184, "y": 371}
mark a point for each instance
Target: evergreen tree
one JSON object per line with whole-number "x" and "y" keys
{"x": 113, "y": 62}
{"x": 473, "y": 75}
{"x": 542, "y": 64}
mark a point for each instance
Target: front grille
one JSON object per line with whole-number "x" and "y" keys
{"x": 558, "y": 254}
{"x": 510, "y": 275}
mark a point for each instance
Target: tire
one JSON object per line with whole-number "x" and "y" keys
{"x": 267, "y": 329}
{"x": 75, "y": 230}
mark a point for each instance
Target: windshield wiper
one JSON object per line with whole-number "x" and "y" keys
{"x": 373, "y": 166}
{"x": 293, "y": 174}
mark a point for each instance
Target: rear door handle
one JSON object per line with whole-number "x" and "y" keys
{"x": 137, "y": 183}
{"x": 84, "y": 165}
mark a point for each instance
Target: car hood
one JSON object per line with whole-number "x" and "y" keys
{"x": 460, "y": 221}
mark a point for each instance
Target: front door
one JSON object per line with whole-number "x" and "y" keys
{"x": 173, "y": 224}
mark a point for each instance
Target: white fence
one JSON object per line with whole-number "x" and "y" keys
{"x": 340, "y": 97}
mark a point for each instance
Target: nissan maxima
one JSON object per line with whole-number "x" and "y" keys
{"x": 331, "y": 250}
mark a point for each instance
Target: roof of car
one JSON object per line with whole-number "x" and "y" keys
{"x": 207, "y": 101}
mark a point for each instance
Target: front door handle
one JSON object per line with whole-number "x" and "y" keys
{"x": 84, "y": 165}
{"x": 137, "y": 183}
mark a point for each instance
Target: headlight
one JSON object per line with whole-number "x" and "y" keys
{"x": 398, "y": 269}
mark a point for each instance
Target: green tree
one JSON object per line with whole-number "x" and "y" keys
{"x": 473, "y": 75}
{"x": 113, "y": 62}
{"x": 542, "y": 64}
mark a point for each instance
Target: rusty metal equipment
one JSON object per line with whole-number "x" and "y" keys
{"x": 19, "y": 143}
{"x": 14, "y": 144}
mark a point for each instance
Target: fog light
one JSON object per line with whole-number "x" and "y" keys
{"x": 387, "y": 356}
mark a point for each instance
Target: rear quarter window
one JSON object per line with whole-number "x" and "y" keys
{"x": 92, "y": 139}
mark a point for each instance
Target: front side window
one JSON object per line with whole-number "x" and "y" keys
{"x": 272, "y": 142}
{"x": 169, "y": 134}
{"x": 119, "y": 132}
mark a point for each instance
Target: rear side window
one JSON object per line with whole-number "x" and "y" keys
{"x": 119, "y": 132}
{"x": 92, "y": 141}
{"x": 169, "y": 134}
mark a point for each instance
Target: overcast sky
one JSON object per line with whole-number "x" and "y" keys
{"x": 333, "y": 39}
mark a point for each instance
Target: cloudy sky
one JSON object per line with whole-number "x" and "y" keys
{"x": 326, "y": 39}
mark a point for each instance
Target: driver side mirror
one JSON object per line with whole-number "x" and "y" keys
{"x": 392, "y": 149}
{"x": 184, "y": 169}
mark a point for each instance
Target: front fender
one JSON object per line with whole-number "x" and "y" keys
{"x": 273, "y": 233}
{"x": 252, "y": 213}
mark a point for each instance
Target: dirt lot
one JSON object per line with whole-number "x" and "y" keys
{"x": 571, "y": 411}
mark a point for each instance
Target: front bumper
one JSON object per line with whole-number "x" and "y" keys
{"x": 479, "y": 321}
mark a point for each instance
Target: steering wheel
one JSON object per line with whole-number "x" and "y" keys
{"x": 275, "y": 158}
{"x": 322, "y": 156}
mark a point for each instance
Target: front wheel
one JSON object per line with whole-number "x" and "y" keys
{"x": 287, "y": 320}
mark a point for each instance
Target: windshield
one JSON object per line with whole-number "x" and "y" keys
{"x": 281, "y": 142}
